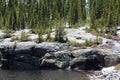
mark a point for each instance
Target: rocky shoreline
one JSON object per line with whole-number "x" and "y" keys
{"x": 52, "y": 55}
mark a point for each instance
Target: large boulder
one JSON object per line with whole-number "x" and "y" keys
{"x": 94, "y": 59}
{"x": 25, "y": 48}
{"x": 78, "y": 63}
{"x": 90, "y": 59}
{"x": 55, "y": 55}
{"x": 60, "y": 59}
{"x": 6, "y": 45}
{"x": 19, "y": 55}
{"x": 112, "y": 60}
{"x": 6, "y": 49}
{"x": 17, "y": 47}
{"x": 64, "y": 58}
{"x": 48, "y": 47}
{"x": 21, "y": 61}
{"x": 80, "y": 52}
{"x": 9, "y": 49}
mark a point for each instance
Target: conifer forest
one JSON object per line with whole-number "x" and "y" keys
{"x": 103, "y": 16}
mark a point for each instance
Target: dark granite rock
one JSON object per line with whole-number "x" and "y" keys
{"x": 55, "y": 55}
{"x": 48, "y": 47}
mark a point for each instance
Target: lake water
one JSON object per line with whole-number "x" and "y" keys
{"x": 42, "y": 75}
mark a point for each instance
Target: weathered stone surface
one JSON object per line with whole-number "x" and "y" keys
{"x": 26, "y": 53}
{"x": 93, "y": 59}
{"x": 87, "y": 59}
{"x": 48, "y": 47}
{"x": 78, "y": 64}
{"x": 112, "y": 75}
{"x": 4, "y": 45}
{"x": 24, "y": 47}
{"x": 17, "y": 47}
{"x": 111, "y": 60}
{"x": 60, "y": 59}
{"x": 48, "y": 64}
{"x": 55, "y": 55}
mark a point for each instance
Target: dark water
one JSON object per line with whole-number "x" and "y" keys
{"x": 42, "y": 75}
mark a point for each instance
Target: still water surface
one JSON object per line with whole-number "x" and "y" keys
{"x": 42, "y": 75}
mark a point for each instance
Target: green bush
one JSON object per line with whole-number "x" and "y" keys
{"x": 98, "y": 41}
{"x": 72, "y": 43}
{"x": 51, "y": 40}
{"x": 39, "y": 30}
{"x": 7, "y": 33}
{"x": 60, "y": 34}
{"x": 74, "y": 26}
{"x": 24, "y": 36}
{"x": 84, "y": 46}
{"x": 117, "y": 67}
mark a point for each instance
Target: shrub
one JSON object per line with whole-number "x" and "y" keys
{"x": 60, "y": 34}
{"x": 84, "y": 46}
{"x": 50, "y": 39}
{"x": 7, "y": 33}
{"x": 7, "y": 30}
{"x": 39, "y": 30}
{"x": 117, "y": 67}
{"x": 24, "y": 36}
{"x": 74, "y": 26}
{"x": 98, "y": 41}
{"x": 72, "y": 43}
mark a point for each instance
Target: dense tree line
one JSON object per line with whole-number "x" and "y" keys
{"x": 104, "y": 16}
{"x": 19, "y": 14}
{"x": 42, "y": 15}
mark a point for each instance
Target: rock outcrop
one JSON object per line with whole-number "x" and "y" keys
{"x": 88, "y": 60}
{"x": 29, "y": 55}
{"x": 47, "y": 47}
{"x": 49, "y": 55}
{"x": 60, "y": 59}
